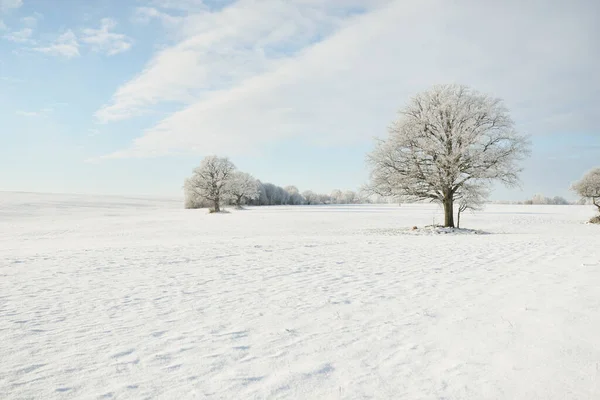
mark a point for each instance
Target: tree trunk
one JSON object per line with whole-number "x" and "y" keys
{"x": 458, "y": 219}
{"x": 449, "y": 211}
{"x": 217, "y": 206}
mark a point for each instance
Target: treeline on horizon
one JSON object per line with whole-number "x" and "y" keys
{"x": 270, "y": 194}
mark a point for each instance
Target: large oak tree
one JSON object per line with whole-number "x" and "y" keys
{"x": 445, "y": 138}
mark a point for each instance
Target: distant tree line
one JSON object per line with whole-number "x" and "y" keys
{"x": 541, "y": 199}
{"x": 270, "y": 194}
{"x": 217, "y": 182}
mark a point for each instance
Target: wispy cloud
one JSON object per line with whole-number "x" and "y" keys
{"x": 257, "y": 72}
{"x": 11, "y": 79}
{"x": 6, "y": 5}
{"x": 31, "y": 21}
{"x": 221, "y": 49}
{"x": 183, "y": 5}
{"x": 104, "y": 41}
{"x": 44, "y": 112}
{"x": 21, "y": 36}
{"x": 65, "y": 45}
{"x": 93, "y": 132}
{"x": 144, "y": 15}
{"x": 25, "y": 34}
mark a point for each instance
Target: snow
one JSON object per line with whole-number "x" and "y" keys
{"x": 106, "y": 297}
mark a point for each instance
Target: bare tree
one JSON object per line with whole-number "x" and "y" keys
{"x": 242, "y": 187}
{"x": 589, "y": 187}
{"x": 210, "y": 180}
{"x": 447, "y": 137}
{"x": 470, "y": 197}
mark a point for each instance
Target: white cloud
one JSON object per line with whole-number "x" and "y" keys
{"x": 11, "y": 79}
{"x": 28, "y": 113}
{"x": 66, "y": 45}
{"x": 183, "y": 5}
{"x": 251, "y": 73}
{"x": 6, "y": 5}
{"x": 104, "y": 41}
{"x": 3, "y": 26}
{"x": 93, "y": 132}
{"x": 22, "y": 36}
{"x": 32, "y": 20}
{"x": 29, "y": 21}
{"x": 221, "y": 49}
{"x": 144, "y": 15}
{"x": 35, "y": 114}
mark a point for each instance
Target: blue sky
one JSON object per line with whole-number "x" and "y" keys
{"x": 127, "y": 96}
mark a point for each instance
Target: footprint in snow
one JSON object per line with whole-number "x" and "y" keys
{"x": 124, "y": 353}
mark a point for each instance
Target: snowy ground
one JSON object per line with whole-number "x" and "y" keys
{"x": 133, "y": 298}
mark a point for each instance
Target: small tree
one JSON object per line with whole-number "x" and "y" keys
{"x": 210, "y": 181}
{"x": 539, "y": 199}
{"x": 337, "y": 197}
{"x": 349, "y": 197}
{"x": 323, "y": 198}
{"x": 262, "y": 199}
{"x": 589, "y": 188}
{"x": 271, "y": 193}
{"x": 445, "y": 138}
{"x": 295, "y": 197}
{"x": 559, "y": 201}
{"x": 310, "y": 197}
{"x": 470, "y": 197}
{"x": 242, "y": 187}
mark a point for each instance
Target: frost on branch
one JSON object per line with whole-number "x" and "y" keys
{"x": 470, "y": 197}
{"x": 209, "y": 182}
{"x": 589, "y": 187}
{"x": 242, "y": 187}
{"x": 445, "y": 138}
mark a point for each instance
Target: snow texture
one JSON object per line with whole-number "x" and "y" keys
{"x": 127, "y": 298}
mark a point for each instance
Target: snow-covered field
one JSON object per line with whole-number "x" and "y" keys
{"x": 126, "y": 298}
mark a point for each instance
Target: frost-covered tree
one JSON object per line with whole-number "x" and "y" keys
{"x": 294, "y": 196}
{"x": 349, "y": 197}
{"x": 559, "y": 201}
{"x": 589, "y": 187}
{"x": 271, "y": 193}
{"x": 262, "y": 197}
{"x": 210, "y": 180}
{"x": 283, "y": 197}
{"x": 242, "y": 187}
{"x": 443, "y": 139}
{"x": 470, "y": 197}
{"x": 323, "y": 198}
{"x": 539, "y": 199}
{"x": 337, "y": 197}
{"x": 192, "y": 200}
{"x": 310, "y": 197}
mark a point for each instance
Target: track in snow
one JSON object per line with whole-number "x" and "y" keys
{"x": 135, "y": 298}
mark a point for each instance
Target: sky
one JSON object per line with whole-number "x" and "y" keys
{"x": 125, "y": 97}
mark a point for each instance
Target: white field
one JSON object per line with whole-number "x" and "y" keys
{"x": 133, "y": 298}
